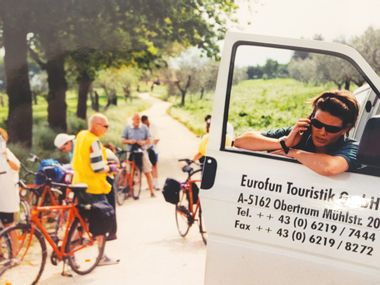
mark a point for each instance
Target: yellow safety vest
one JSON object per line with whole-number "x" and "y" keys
{"x": 83, "y": 173}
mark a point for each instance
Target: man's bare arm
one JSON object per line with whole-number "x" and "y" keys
{"x": 256, "y": 141}
{"x": 128, "y": 141}
{"x": 323, "y": 164}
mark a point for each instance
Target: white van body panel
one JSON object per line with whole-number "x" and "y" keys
{"x": 243, "y": 221}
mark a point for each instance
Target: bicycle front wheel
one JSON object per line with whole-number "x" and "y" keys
{"x": 136, "y": 183}
{"x": 182, "y": 215}
{"x": 85, "y": 251}
{"x": 23, "y": 255}
{"x": 121, "y": 186}
{"x": 23, "y": 215}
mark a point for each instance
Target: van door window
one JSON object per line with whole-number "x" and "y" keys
{"x": 271, "y": 91}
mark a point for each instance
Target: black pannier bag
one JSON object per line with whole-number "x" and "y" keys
{"x": 101, "y": 218}
{"x": 171, "y": 191}
{"x": 136, "y": 155}
{"x": 195, "y": 190}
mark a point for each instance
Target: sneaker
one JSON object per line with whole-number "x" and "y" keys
{"x": 108, "y": 261}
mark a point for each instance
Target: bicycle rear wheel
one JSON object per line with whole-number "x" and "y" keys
{"x": 182, "y": 215}
{"x": 136, "y": 183}
{"x": 86, "y": 250}
{"x": 23, "y": 255}
{"x": 202, "y": 228}
{"x": 121, "y": 186}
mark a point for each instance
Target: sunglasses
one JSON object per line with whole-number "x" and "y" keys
{"x": 319, "y": 125}
{"x": 104, "y": 126}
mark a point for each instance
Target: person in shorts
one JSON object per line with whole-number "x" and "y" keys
{"x": 138, "y": 135}
{"x": 152, "y": 149}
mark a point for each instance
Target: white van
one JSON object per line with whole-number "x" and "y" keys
{"x": 270, "y": 219}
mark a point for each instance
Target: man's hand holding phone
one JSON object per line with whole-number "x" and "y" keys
{"x": 295, "y": 135}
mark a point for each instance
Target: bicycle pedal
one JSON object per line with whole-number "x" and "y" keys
{"x": 54, "y": 258}
{"x": 54, "y": 237}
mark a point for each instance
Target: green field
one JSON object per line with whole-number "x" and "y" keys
{"x": 254, "y": 104}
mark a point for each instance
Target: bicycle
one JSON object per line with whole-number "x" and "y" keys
{"x": 128, "y": 180}
{"x": 46, "y": 194}
{"x": 23, "y": 246}
{"x": 188, "y": 210}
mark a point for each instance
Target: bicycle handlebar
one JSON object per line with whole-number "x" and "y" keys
{"x": 33, "y": 158}
{"x": 188, "y": 169}
{"x": 189, "y": 161}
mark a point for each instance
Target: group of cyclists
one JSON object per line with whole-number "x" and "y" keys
{"x": 91, "y": 163}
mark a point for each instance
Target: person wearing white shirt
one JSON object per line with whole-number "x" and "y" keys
{"x": 9, "y": 176}
{"x": 152, "y": 149}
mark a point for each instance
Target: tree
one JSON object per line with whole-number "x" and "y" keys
{"x": 367, "y": 45}
{"x": 255, "y": 72}
{"x": 15, "y": 19}
{"x": 92, "y": 27}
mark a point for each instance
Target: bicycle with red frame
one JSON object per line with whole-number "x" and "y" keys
{"x": 23, "y": 246}
{"x": 128, "y": 180}
{"x": 185, "y": 196}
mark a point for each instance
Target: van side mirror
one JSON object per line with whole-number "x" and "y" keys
{"x": 369, "y": 146}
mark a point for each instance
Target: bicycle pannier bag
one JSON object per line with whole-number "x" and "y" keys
{"x": 102, "y": 218}
{"x": 171, "y": 190}
{"x": 195, "y": 190}
{"x": 136, "y": 156}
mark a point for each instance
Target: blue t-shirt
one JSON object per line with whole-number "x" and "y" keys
{"x": 132, "y": 133}
{"x": 344, "y": 147}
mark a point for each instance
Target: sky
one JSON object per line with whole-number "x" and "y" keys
{"x": 332, "y": 19}
{"x": 304, "y": 18}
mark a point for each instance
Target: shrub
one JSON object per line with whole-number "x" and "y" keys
{"x": 75, "y": 124}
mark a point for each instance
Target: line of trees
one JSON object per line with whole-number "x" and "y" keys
{"x": 314, "y": 68}
{"x": 86, "y": 36}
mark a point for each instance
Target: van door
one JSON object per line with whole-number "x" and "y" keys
{"x": 270, "y": 219}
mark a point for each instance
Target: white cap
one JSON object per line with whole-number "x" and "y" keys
{"x": 62, "y": 138}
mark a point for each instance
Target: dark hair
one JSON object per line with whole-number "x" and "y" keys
{"x": 339, "y": 103}
{"x": 144, "y": 117}
{"x": 110, "y": 146}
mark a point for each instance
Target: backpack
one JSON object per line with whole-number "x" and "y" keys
{"x": 171, "y": 191}
{"x": 50, "y": 168}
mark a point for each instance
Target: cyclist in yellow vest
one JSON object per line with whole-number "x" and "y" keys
{"x": 204, "y": 141}
{"x": 90, "y": 164}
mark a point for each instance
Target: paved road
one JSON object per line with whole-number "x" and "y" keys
{"x": 150, "y": 249}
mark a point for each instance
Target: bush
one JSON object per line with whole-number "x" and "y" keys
{"x": 75, "y": 124}
{"x": 43, "y": 137}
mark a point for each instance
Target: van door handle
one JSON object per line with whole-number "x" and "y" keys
{"x": 209, "y": 172}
